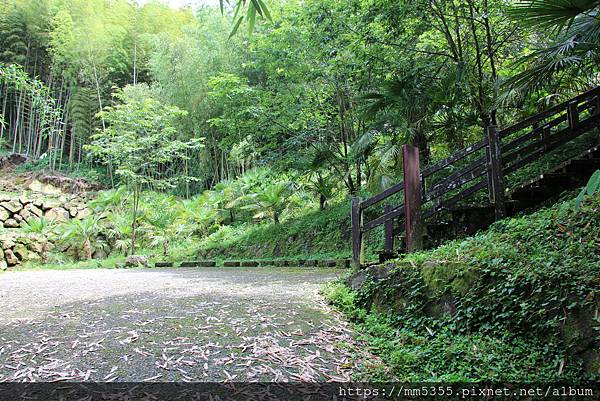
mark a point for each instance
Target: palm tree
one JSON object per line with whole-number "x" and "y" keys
{"x": 83, "y": 236}
{"x": 118, "y": 230}
{"x": 410, "y": 95}
{"x": 163, "y": 223}
{"x": 575, "y": 51}
{"x": 228, "y": 194}
{"x": 270, "y": 200}
{"x": 319, "y": 182}
{"x": 40, "y": 225}
{"x": 112, "y": 199}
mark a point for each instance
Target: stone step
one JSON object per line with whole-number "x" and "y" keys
{"x": 198, "y": 263}
{"x": 163, "y": 264}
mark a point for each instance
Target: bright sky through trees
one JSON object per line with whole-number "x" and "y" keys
{"x": 178, "y": 4}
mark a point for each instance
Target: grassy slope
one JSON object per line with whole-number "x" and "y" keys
{"x": 314, "y": 234}
{"x": 515, "y": 302}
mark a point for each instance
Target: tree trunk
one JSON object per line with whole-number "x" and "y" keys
{"x": 136, "y": 200}
{"x": 87, "y": 249}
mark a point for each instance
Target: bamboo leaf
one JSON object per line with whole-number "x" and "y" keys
{"x": 265, "y": 10}
{"x": 236, "y": 27}
{"x": 251, "y": 16}
{"x": 256, "y": 5}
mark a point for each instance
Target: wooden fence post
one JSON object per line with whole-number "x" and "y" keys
{"x": 356, "y": 223}
{"x": 596, "y": 105}
{"x": 494, "y": 171}
{"x": 388, "y": 246}
{"x": 573, "y": 115}
{"x": 412, "y": 198}
{"x": 546, "y": 132}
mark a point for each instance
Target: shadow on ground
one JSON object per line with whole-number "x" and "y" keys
{"x": 172, "y": 325}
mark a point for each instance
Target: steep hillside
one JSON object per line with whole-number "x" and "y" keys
{"x": 517, "y": 302}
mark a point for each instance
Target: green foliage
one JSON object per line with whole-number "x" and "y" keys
{"x": 497, "y": 306}
{"x": 589, "y": 190}
{"x": 141, "y": 138}
{"x": 270, "y": 200}
{"x": 141, "y": 143}
{"x": 329, "y": 91}
{"x": 38, "y": 225}
{"x": 418, "y": 355}
{"x": 165, "y": 225}
{"x": 252, "y": 8}
{"x": 82, "y": 237}
{"x": 39, "y": 94}
{"x": 575, "y": 51}
{"x": 309, "y": 234}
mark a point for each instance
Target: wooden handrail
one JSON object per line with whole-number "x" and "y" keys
{"x": 392, "y": 214}
{"x": 499, "y": 160}
{"x": 383, "y": 195}
{"x": 458, "y": 155}
{"x": 546, "y": 113}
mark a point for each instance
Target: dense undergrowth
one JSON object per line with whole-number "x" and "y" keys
{"x": 315, "y": 233}
{"x": 517, "y": 302}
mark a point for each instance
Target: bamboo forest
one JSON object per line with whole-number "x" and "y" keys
{"x": 299, "y": 199}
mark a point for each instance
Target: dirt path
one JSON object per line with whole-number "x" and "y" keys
{"x": 171, "y": 325}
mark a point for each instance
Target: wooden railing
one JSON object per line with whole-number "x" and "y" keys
{"x": 482, "y": 165}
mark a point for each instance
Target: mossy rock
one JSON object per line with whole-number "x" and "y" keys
{"x": 463, "y": 281}
{"x": 439, "y": 276}
{"x": 577, "y": 330}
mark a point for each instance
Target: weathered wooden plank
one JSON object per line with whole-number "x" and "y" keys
{"x": 573, "y": 115}
{"x": 532, "y": 134}
{"x": 558, "y": 139}
{"x": 495, "y": 177}
{"x": 381, "y": 196}
{"x": 595, "y": 105}
{"x": 518, "y": 153}
{"x": 394, "y": 213}
{"x": 545, "y": 135}
{"x": 399, "y": 229}
{"x": 412, "y": 198}
{"x": 546, "y": 113}
{"x": 461, "y": 154}
{"x": 474, "y": 170}
{"x": 545, "y": 142}
{"x": 356, "y": 222}
{"x": 446, "y": 204}
{"x": 163, "y": 264}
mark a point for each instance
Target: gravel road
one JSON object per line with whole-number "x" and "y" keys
{"x": 200, "y": 324}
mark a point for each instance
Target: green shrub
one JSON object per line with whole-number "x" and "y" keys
{"x": 511, "y": 303}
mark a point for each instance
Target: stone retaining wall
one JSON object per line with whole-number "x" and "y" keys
{"x": 15, "y": 211}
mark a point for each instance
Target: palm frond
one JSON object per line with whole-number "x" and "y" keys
{"x": 554, "y": 14}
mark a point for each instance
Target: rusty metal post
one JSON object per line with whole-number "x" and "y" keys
{"x": 412, "y": 198}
